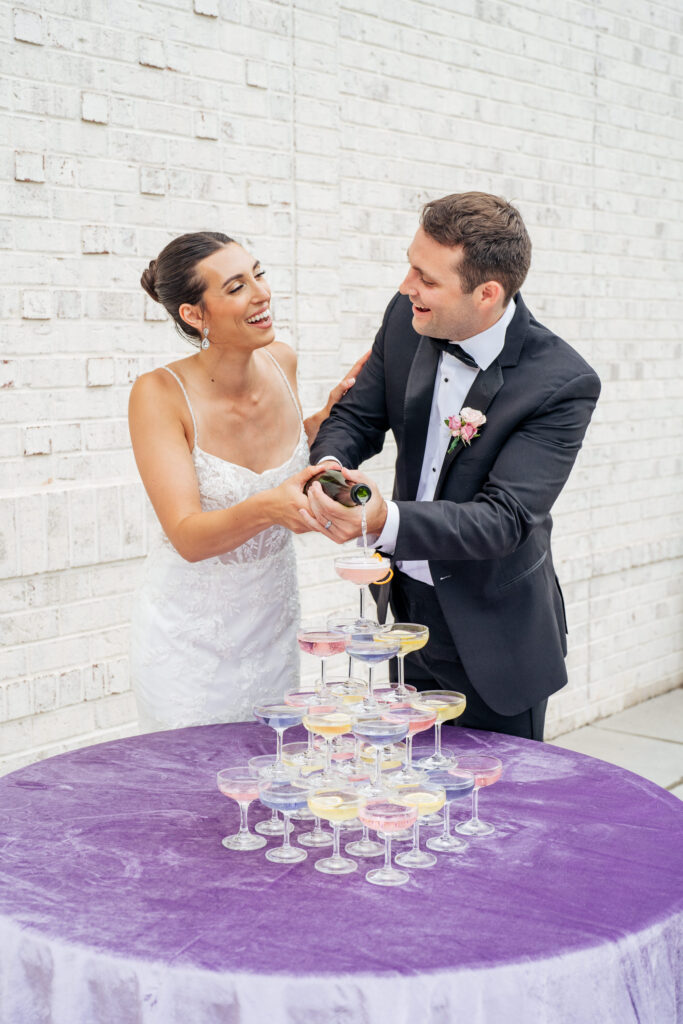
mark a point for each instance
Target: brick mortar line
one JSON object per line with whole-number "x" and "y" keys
{"x": 540, "y": 11}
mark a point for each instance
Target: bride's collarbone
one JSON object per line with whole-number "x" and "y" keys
{"x": 258, "y": 435}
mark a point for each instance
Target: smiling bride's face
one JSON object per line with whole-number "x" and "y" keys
{"x": 236, "y": 300}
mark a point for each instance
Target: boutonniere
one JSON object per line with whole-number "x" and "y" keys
{"x": 464, "y": 427}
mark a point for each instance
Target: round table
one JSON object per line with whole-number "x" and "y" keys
{"x": 119, "y": 904}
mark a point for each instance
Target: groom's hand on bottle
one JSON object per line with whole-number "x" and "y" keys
{"x": 344, "y": 523}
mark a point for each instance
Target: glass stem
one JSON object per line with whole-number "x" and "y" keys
{"x": 335, "y": 842}
{"x": 387, "y": 852}
{"x": 362, "y": 603}
{"x": 371, "y": 686}
{"x": 321, "y": 688}
{"x": 408, "y": 760}
{"x": 285, "y": 839}
{"x": 401, "y": 688}
{"x": 278, "y": 751}
{"x": 437, "y": 740}
{"x": 365, "y": 835}
{"x": 378, "y": 767}
{"x": 416, "y": 835}
{"x": 446, "y": 834}
{"x": 317, "y": 827}
{"x": 328, "y": 755}
{"x": 244, "y": 829}
{"x": 356, "y": 763}
{"x": 475, "y": 804}
{"x": 273, "y": 816}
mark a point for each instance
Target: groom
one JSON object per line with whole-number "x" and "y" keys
{"x": 488, "y": 408}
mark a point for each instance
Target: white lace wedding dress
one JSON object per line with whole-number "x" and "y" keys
{"x": 210, "y": 638}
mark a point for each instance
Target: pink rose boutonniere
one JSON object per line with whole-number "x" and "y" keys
{"x": 464, "y": 427}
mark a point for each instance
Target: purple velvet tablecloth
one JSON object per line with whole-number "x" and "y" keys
{"x": 119, "y": 904}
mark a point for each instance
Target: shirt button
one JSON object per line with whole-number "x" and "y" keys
{"x": 445, "y": 380}
{"x": 433, "y": 469}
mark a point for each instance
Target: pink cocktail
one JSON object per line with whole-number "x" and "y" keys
{"x": 239, "y": 785}
{"x": 322, "y": 643}
{"x": 363, "y": 570}
{"x": 486, "y": 770}
{"x": 387, "y": 815}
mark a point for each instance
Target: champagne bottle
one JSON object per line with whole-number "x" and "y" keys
{"x": 336, "y": 486}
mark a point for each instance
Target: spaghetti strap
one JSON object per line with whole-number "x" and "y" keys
{"x": 289, "y": 386}
{"x": 189, "y": 404}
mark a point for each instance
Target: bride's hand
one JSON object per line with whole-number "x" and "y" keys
{"x": 312, "y": 423}
{"x": 289, "y": 498}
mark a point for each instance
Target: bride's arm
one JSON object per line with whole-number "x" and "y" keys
{"x": 165, "y": 464}
{"x": 286, "y": 356}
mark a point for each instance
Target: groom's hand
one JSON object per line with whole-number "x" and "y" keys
{"x": 344, "y": 523}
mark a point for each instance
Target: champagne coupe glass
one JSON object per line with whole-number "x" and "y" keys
{"x": 349, "y": 624}
{"x": 418, "y": 720}
{"x": 486, "y": 770}
{"x": 285, "y": 797}
{"x": 279, "y": 717}
{"x": 363, "y": 570}
{"x": 306, "y": 699}
{"x": 327, "y": 724}
{"x": 447, "y": 704}
{"x": 372, "y": 652}
{"x": 323, "y": 643}
{"x": 240, "y": 785}
{"x": 412, "y": 637}
{"x": 316, "y": 836}
{"x": 261, "y": 767}
{"x": 304, "y": 759}
{"x": 378, "y": 732}
{"x": 428, "y": 799}
{"x": 336, "y": 804}
{"x": 387, "y": 813}
{"x": 457, "y": 783}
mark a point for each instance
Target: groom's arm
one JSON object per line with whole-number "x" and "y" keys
{"x": 356, "y": 426}
{"x": 529, "y": 471}
{"x": 524, "y": 482}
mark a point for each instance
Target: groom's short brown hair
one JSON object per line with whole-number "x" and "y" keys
{"x": 492, "y": 234}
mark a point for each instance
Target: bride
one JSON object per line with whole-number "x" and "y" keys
{"x": 222, "y": 449}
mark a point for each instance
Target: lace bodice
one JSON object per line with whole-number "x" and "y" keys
{"x": 223, "y": 484}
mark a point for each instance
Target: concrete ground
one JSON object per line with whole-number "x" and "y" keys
{"x": 646, "y": 739}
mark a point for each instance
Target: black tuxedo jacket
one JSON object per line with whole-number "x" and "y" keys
{"x": 486, "y": 534}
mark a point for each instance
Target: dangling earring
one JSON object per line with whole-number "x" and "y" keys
{"x": 205, "y": 339}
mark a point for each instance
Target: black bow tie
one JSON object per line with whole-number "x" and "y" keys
{"x": 454, "y": 349}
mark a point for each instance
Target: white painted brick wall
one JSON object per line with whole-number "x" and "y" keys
{"x": 313, "y": 132}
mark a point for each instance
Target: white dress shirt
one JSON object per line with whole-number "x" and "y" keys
{"x": 453, "y": 381}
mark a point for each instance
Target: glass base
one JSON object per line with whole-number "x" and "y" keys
{"x": 315, "y": 840}
{"x": 246, "y": 841}
{"x": 434, "y": 761}
{"x": 271, "y": 828}
{"x": 364, "y": 848}
{"x": 336, "y": 866}
{"x": 404, "y": 836}
{"x": 474, "y": 828}
{"x": 386, "y": 876}
{"x": 446, "y": 844}
{"x": 434, "y": 820}
{"x": 352, "y": 825}
{"x": 286, "y": 854}
{"x": 415, "y": 859}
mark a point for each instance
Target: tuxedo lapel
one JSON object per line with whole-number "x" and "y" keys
{"x": 485, "y": 387}
{"x": 416, "y": 409}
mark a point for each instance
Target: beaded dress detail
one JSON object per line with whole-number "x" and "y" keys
{"x": 210, "y": 638}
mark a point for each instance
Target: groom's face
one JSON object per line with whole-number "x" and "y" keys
{"x": 441, "y": 309}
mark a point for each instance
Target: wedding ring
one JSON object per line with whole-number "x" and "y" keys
{"x": 328, "y": 524}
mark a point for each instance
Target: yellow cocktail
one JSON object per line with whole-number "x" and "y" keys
{"x": 446, "y": 704}
{"x": 336, "y": 804}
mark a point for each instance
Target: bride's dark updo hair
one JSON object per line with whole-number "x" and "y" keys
{"x": 172, "y": 278}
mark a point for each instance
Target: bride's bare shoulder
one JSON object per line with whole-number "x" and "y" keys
{"x": 285, "y": 355}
